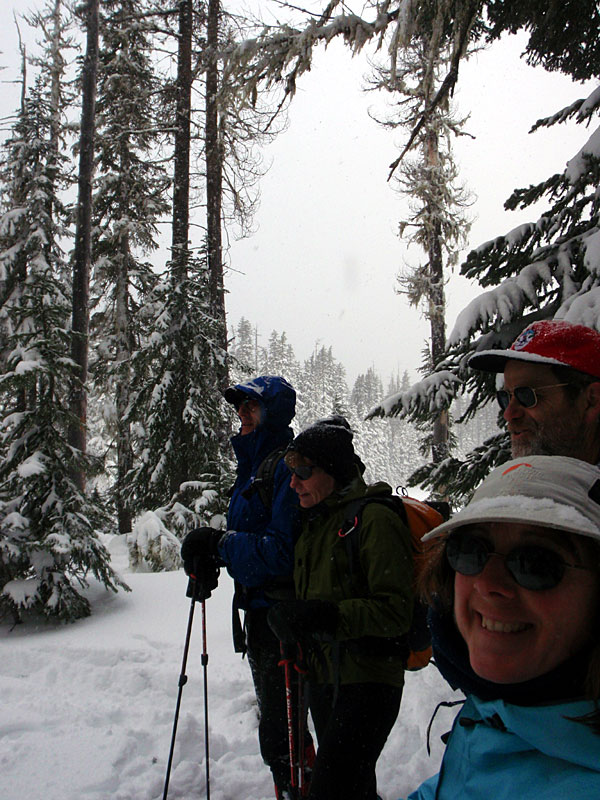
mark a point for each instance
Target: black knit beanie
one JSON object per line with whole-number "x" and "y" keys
{"x": 328, "y": 444}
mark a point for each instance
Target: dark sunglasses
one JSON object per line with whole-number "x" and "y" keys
{"x": 302, "y": 471}
{"x": 525, "y": 395}
{"x": 533, "y": 567}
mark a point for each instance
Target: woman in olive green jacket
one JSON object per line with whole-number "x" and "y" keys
{"x": 353, "y": 609}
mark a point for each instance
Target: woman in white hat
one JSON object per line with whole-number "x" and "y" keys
{"x": 514, "y": 583}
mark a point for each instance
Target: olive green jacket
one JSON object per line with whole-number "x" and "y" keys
{"x": 374, "y": 598}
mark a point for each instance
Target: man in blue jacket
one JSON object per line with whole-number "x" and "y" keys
{"x": 258, "y": 550}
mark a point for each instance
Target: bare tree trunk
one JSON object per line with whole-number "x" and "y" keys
{"x": 55, "y": 90}
{"x": 214, "y": 181}
{"x": 181, "y": 214}
{"x": 82, "y": 252}
{"x": 122, "y": 394}
{"x": 437, "y": 302}
{"x": 181, "y": 169}
{"x": 124, "y": 453}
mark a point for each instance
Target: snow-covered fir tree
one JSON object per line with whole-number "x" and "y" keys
{"x": 243, "y": 348}
{"x": 49, "y": 527}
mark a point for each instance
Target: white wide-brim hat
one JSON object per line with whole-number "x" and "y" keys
{"x": 547, "y": 491}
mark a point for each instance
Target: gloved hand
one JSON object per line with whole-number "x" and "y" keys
{"x": 203, "y": 581}
{"x": 199, "y": 552}
{"x": 297, "y": 620}
{"x": 200, "y": 547}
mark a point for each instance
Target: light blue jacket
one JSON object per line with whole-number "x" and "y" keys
{"x": 499, "y": 751}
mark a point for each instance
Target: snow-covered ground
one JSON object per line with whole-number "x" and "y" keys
{"x": 87, "y": 709}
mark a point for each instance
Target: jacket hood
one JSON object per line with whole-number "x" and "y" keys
{"x": 277, "y": 398}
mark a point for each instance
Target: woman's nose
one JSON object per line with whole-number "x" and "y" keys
{"x": 495, "y": 578}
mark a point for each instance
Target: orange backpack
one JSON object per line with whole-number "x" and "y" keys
{"x": 419, "y": 517}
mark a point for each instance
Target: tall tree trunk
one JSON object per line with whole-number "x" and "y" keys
{"x": 181, "y": 168}
{"x": 82, "y": 253}
{"x": 214, "y": 182}
{"x": 436, "y": 300}
{"x": 122, "y": 392}
{"x": 57, "y": 69}
{"x": 181, "y": 217}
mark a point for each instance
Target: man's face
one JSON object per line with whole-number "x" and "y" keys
{"x": 557, "y": 424}
{"x": 249, "y": 413}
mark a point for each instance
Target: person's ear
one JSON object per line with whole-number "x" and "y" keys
{"x": 592, "y": 397}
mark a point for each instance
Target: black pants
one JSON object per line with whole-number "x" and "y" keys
{"x": 269, "y": 684}
{"x": 351, "y": 735}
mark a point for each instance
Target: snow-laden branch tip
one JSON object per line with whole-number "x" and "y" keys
{"x": 433, "y": 393}
{"x": 579, "y": 166}
{"x": 503, "y": 303}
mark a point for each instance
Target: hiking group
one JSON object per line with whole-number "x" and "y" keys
{"x": 333, "y": 578}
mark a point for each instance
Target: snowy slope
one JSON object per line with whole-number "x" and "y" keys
{"x": 87, "y": 709}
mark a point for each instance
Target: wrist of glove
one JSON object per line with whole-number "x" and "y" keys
{"x": 199, "y": 548}
{"x": 297, "y": 620}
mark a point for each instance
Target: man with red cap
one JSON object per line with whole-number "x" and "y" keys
{"x": 551, "y": 394}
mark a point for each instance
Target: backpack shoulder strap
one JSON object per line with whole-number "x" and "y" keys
{"x": 264, "y": 479}
{"x": 353, "y": 519}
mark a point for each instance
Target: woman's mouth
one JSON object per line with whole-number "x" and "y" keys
{"x": 502, "y": 627}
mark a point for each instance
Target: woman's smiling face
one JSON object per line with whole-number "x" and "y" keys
{"x": 515, "y": 634}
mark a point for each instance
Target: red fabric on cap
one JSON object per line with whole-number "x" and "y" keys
{"x": 553, "y": 342}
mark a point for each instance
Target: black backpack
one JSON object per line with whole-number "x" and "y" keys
{"x": 419, "y": 517}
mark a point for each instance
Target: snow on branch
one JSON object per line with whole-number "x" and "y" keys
{"x": 579, "y": 166}
{"x": 503, "y": 303}
{"x": 264, "y": 58}
{"x": 583, "y": 308}
{"x": 582, "y": 109}
{"x": 433, "y": 393}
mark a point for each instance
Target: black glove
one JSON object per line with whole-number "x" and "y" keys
{"x": 203, "y": 581}
{"x": 200, "y": 547}
{"x": 298, "y": 620}
{"x": 200, "y": 555}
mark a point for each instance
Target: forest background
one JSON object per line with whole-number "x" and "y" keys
{"x": 132, "y": 158}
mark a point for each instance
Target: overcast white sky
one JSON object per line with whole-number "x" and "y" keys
{"x": 322, "y": 263}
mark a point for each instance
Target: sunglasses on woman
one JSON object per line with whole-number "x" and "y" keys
{"x": 302, "y": 471}
{"x": 533, "y": 567}
{"x": 524, "y": 395}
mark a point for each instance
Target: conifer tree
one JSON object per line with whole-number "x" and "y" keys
{"x": 244, "y": 349}
{"x": 49, "y": 527}
{"x": 322, "y": 387}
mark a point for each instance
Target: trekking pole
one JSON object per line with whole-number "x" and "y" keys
{"x": 182, "y": 682}
{"x": 205, "y": 670}
{"x": 301, "y": 738}
{"x": 286, "y": 662}
{"x": 301, "y": 670}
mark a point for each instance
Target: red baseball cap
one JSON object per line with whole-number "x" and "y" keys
{"x": 551, "y": 341}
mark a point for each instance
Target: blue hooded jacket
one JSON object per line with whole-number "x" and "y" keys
{"x": 258, "y": 548}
